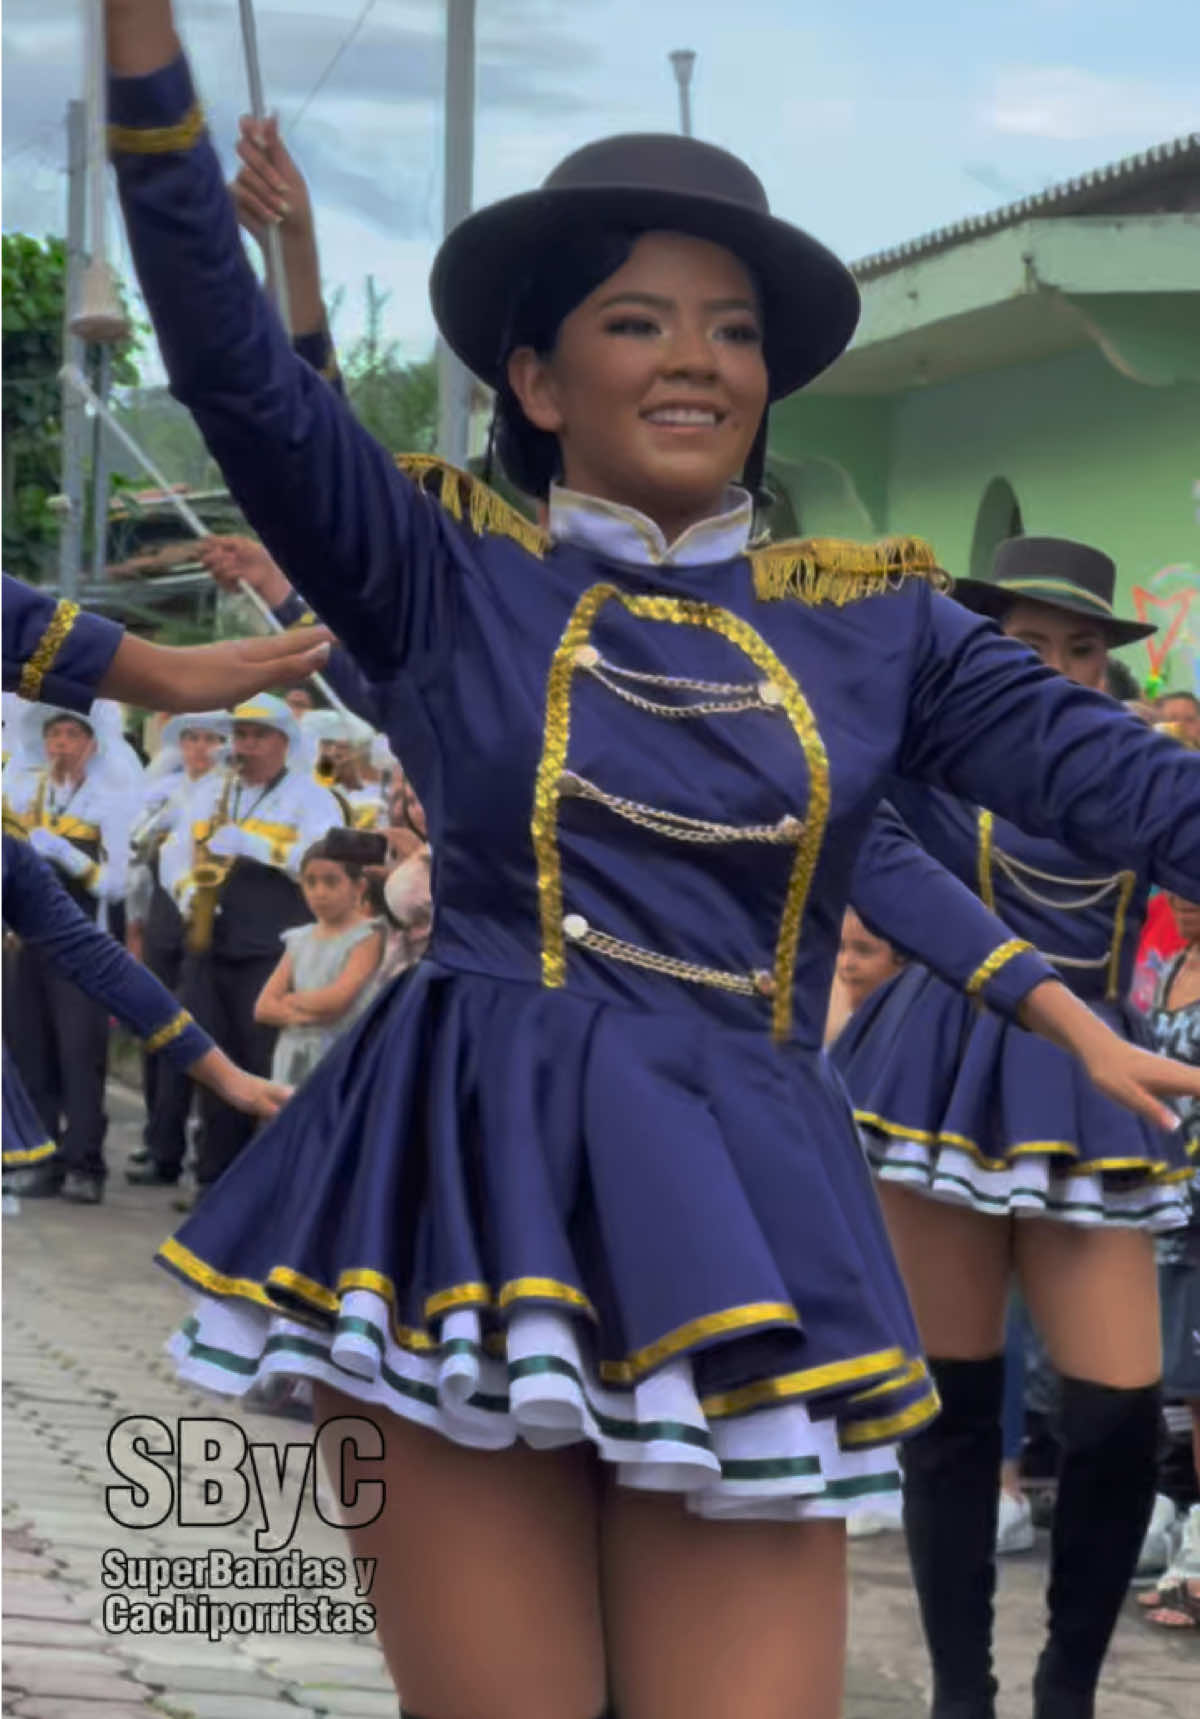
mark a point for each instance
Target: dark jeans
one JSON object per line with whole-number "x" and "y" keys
{"x": 221, "y": 995}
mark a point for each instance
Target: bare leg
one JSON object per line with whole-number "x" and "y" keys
{"x": 486, "y": 1591}
{"x": 956, "y": 1264}
{"x": 1093, "y": 1295}
{"x": 709, "y": 1619}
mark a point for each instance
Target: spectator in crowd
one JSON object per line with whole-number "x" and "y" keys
{"x": 300, "y": 700}
{"x": 323, "y": 979}
{"x": 1181, "y": 711}
{"x": 1174, "y": 1021}
{"x": 864, "y": 963}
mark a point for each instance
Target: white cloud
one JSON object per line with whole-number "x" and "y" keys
{"x": 1070, "y": 104}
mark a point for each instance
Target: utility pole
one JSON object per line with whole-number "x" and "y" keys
{"x": 74, "y": 420}
{"x": 100, "y": 471}
{"x": 454, "y": 382}
{"x": 682, "y": 62}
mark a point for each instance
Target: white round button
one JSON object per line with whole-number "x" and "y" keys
{"x": 790, "y": 825}
{"x": 569, "y": 783}
{"x": 575, "y": 926}
{"x": 586, "y": 656}
{"x": 769, "y": 692}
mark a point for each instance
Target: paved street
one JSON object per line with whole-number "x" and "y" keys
{"x": 85, "y": 1315}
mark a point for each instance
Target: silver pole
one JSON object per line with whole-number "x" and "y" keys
{"x": 454, "y": 381}
{"x": 100, "y": 471}
{"x": 682, "y": 62}
{"x": 74, "y": 421}
{"x": 77, "y": 383}
{"x": 276, "y": 279}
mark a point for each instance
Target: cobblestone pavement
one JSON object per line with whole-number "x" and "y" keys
{"x": 85, "y": 1318}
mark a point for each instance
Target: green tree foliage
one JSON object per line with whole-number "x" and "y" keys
{"x": 397, "y": 402}
{"x": 34, "y": 285}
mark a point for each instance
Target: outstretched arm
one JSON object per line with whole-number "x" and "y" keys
{"x": 361, "y": 543}
{"x": 987, "y": 721}
{"x": 908, "y": 898}
{"x": 912, "y": 901}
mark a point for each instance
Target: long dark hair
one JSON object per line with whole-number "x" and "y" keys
{"x": 575, "y": 265}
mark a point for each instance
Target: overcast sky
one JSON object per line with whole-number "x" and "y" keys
{"x": 869, "y": 121}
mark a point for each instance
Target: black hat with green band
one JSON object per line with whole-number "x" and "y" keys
{"x": 1057, "y": 572}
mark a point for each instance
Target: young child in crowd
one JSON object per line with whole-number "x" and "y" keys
{"x": 864, "y": 963}
{"x": 324, "y": 978}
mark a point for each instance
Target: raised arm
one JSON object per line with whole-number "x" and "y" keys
{"x": 364, "y": 547}
{"x": 987, "y": 721}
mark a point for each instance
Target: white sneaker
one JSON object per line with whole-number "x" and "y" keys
{"x": 1014, "y": 1525}
{"x": 864, "y": 1523}
{"x": 1155, "y": 1554}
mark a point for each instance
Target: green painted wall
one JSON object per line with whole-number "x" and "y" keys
{"x": 1088, "y": 454}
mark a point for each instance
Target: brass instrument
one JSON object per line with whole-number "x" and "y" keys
{"x": 325, "y": 771}
{"x": 207, "y": 876}
{"x": 149, "y": 832}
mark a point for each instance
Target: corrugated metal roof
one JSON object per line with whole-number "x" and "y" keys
{"x": 1073, "y": 196}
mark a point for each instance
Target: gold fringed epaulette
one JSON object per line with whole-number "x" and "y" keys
{"x": 466, "y": 498}
{"x": 836, "y": 570}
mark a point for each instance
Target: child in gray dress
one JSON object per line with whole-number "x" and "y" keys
{"x": 323, "y": 979}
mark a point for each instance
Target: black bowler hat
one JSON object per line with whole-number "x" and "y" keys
{"x": 1055, "y": 571}
{"x": 645, "y": 183}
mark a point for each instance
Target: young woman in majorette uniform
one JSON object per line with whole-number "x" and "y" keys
{"x": 576, "y": 1213}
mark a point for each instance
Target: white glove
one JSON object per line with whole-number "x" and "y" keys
{"x": 233, "y": 842}
{"x": 63, "y": 853}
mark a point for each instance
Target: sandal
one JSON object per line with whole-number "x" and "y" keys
{"x": 1177, "y": 1605}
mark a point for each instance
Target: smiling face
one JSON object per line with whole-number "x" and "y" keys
{"x": 657, "y": 383}
{"x": 1072, "y": 644}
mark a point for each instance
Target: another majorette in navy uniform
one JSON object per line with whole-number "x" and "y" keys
{"x": 76, "y": 810}
{"x": 45, "y": 917}
{"x": 236, "y": 838}
{"x": 193, "y": 742}
{"x": 56, "y": 651}
{"x": 959, "y": 1106}
{"x": 580, "y": 1190}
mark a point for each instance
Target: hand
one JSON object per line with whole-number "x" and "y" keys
{"x": 253, "y": 1095}
{"x": 269, "y": 189}
{"x": 231, "y": 560}
{"x": 60, "y": 852}
{"x": 1140, "y": 1079}
{"x": 235, "y": 1086}
{"x": 135, "y": 939}
{"x": 212, "y": 677}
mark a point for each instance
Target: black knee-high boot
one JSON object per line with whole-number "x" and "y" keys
{"x": 951, "y": 1497}
{"x": 1109, "y": 1442}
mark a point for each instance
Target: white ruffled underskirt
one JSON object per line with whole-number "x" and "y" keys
{"x": 1029, "y": 1187}
{"x": 773, "y": 1463}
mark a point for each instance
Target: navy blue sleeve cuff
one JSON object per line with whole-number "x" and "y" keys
{"x": 1007, "y": 976}
{"x": 155, "y": 114}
